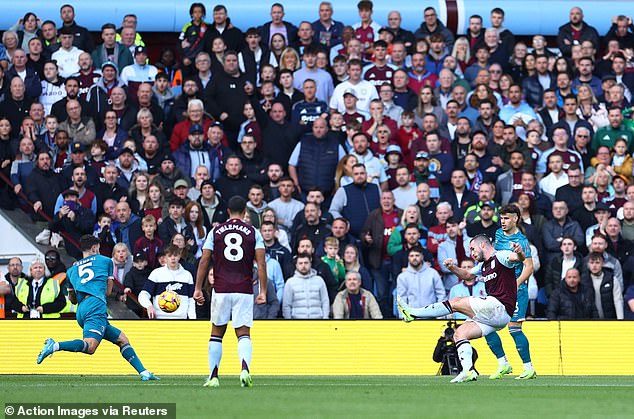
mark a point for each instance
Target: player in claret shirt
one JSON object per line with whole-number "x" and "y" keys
{"x": 485, "y": 314}
{"x": 233, "y": 246}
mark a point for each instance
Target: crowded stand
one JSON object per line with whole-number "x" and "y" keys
{"x": 368, "y": 155}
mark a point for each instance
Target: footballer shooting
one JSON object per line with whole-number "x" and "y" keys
{"x": 232, "y": 248}
{"x": 91, "y": 280}
{"x": 485, "y": 314}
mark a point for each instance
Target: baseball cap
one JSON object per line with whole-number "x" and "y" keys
{"x": 139, "y": 256}
{"x": 69, "y": 192}
{"x": 77, "y": 147}
{"x": 207, "y": 182}
{"x": 167, "y": 157}
{"x": 601, "y": 207}
{"x": 489, "y": 204}
{"x": 350, "y": 91}
{"x": 110, "y": 64}
{"x": 386, "y": 29}
{"x": 393, "y": 148}
{"x": 139, "y": 49}
{"x": 181, "y": 183}
{"x": 608, "y": 77}
{"x": 196, "y": 129}
{"x": 422, "y": 155}
{"x": 126, "y": 150}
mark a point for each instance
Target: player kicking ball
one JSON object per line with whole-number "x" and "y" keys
{"x": 91, "y": 282}
{"x": 485, "y": 314}
{"x": 233, "y": 246}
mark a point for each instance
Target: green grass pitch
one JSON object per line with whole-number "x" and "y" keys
{"x": 338, "y": 396}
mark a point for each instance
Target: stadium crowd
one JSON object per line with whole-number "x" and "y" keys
{"x": 368, "y": 154}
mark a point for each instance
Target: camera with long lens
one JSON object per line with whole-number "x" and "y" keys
{"x": 451, "y": 328}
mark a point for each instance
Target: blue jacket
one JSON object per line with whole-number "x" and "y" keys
{"x": 183, "y": 160}
{"x": 32, "y": 82}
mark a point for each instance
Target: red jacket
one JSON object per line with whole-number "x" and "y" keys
{"x": 181, "y": 131}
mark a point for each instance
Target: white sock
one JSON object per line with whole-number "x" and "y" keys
{"x": 503, "y": 361}
{"x": 465, "y": 354}
{"x": 56, "y": 346}
{"x": 214, "y": 352}
{"x": 528, "y": 366}
{"x": 145, "y": 373}
{"x": 245, "y": 350}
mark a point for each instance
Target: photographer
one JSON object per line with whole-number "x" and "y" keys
{"x": 446, "y": 353}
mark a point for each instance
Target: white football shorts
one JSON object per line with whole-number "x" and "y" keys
{"x": 490, "y": 314}
{"x": 234, "y": 306}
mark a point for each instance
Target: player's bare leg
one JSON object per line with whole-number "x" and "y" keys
{"x": 245, "y": 350}
{"x": 466, "y": 332}
{"x": 214, "y": 352}
{"x": 128, "y": 353}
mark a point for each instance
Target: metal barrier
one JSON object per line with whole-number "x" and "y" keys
{"x": 65, "y": 235}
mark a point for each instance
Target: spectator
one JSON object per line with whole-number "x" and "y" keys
{"x": 15, "y": 105}
{"x": 149, "y": 244}
{"x": 134, "y": 281}
{"x": 43, "y": 185}
{"x": 171, "y": 277}
{"x": 333, "y": 260}
{"x": 271, "y": 308}
{"x": 599, "y": 245}
{"x": 432, "y": 25}
{"x": 30, "y": 77}
{"x": 225, "y": 96}
{"x": 375, "y": 234}
{"x": 571, "y": 300}
{"x": 195, "y": 152}
{"x": 138, "y": 72}
{"x": 233, "y": 182}
{"x": 420, "y": 284}
{"x": 67, "y": 56}
{"x": 122, "y": 263}
{"x": 176, "y": 223}
{"x": 38, "y": 296}
{"x": 575, "y": 32}
{"x": 111, "y": 50}
{"x": 454, "y": 247}
{"x": 195, "y": 116}
{"x": 554, "y": 230}
{"x": 313, "y": 226}
{"x": 278, "y": 25}
{"x": 129, "y": 229}
{"x": 364, "y": 91}
{"x": 313, "y": 162}
{"x": 82, "y": 38}
{"x": 305, "y": 295}
{"x": 355, "y": 302}
{"x": 606, "y": 291}
{"x": 286, "y": 207}
{"x": 253, "y": 161}
{"x": 74, "y": 220}
{"x": 556, "y": 270}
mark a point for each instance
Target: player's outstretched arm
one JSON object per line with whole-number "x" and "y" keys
{"x": 260, "y": 258}
{"x": 201, "y": 274}
{"x": 461, "y": 273}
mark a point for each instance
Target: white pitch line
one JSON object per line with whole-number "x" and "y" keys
{"x": 316, "y": 385}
